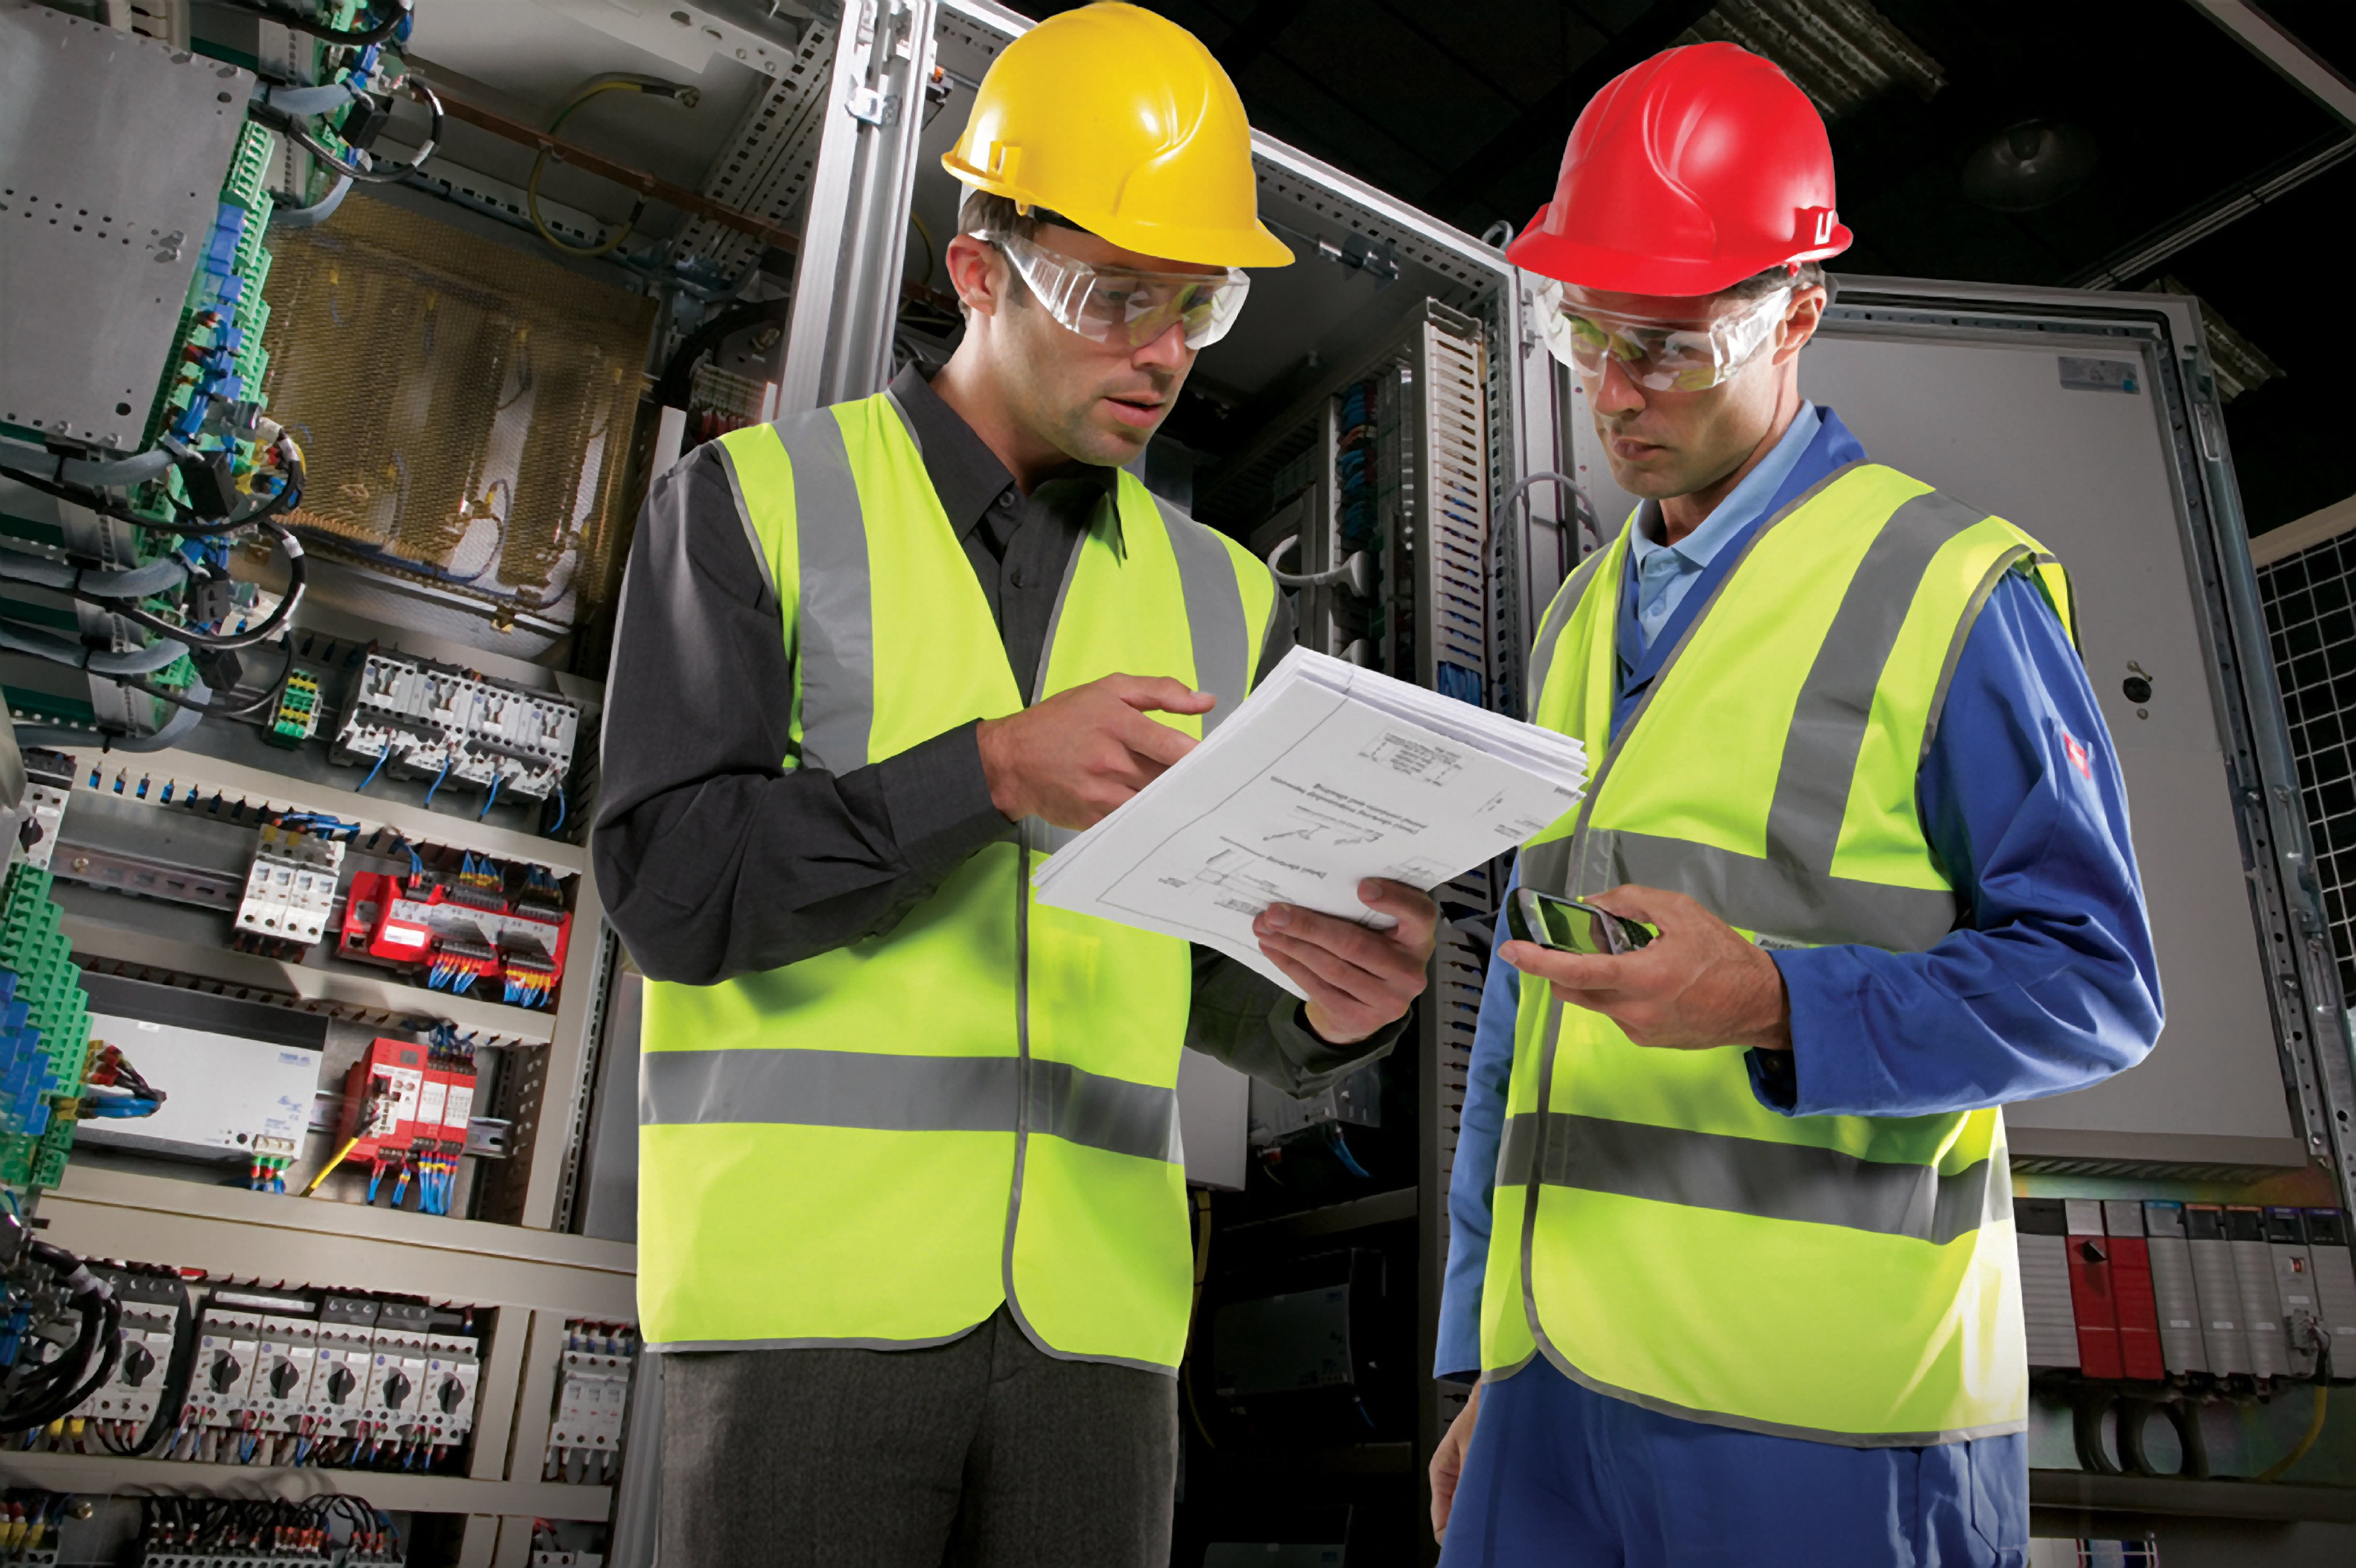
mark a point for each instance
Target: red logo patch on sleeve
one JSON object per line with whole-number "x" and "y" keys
{"x": 2078, "y": 758}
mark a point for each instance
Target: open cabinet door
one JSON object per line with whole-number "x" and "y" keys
{"x": 2091, "y": 420}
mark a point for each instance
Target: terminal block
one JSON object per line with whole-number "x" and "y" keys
{"x": 295, "y": 719}
{"x": 423, "y": 720}
{"x": 44, "y": 1033}
{"x": 290, "y": 893}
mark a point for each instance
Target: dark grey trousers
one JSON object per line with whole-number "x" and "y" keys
{"x": 984, "y": 1453}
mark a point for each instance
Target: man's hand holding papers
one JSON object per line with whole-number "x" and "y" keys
{"x": 1328, "y": 777}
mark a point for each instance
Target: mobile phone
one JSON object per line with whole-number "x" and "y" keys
{"x": 1573, "y": 925}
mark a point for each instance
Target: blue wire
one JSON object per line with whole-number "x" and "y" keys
{"x": 560, "y": 810}
{"x": 380, "y": 756}
{"x": 1341, "y": 1152}
{"x": 437, "y": 780}
{"x": 493, "y": 798}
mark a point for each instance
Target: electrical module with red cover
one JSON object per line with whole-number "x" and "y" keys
{"x": 463, "y": 929}
{"x": 406, "y": 1108}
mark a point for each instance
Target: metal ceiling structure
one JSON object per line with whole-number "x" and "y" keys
{"x": 2213, "y": 139}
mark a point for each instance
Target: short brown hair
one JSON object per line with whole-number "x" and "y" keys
{"x": 984, "y": 213}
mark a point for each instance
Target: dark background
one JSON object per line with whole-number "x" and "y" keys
{"x": 1461, "y": 107}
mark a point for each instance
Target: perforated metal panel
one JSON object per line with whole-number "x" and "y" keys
{"x": 466, "y": 411}
{"x": 2312, "y": 629}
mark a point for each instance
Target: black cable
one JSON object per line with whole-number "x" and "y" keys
{"x": 284, "y": 499}
{"x": 294, "y": 130}
{"x": 214, "y": 709}
{"x": 375, "y": 33}
{"x": 2087, "y": 1406}
{"x": 672, "y": 388}
{"x": 62, "y": 1384}
{"x": 110, "y": 1352}
{"x": 297, "y": 573}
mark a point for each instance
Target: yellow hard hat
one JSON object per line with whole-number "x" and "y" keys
{"x": 1123, "y": 123}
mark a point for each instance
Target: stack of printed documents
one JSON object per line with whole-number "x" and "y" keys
{"x": 1326, "y": 775}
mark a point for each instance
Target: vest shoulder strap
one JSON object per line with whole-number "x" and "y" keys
{"x": 1230, "y": 597}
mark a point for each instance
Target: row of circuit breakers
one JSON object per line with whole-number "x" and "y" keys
{"x": 2133, "y": 1289}
{"x": 250, "y": 1376}
{"x": 280, "y": 1377}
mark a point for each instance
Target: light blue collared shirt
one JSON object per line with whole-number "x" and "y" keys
{"x": 1664, "y": 572}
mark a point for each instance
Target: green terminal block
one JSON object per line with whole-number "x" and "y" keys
{"x": 38, "y": 1135}
{"x": 296, "y": 719}
{"x": 253, "y": 262}
{"x": 248, "y": 171}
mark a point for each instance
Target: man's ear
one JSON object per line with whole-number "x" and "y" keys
{"x": 1801, "y": 319}
{"x": 977, "y": 270}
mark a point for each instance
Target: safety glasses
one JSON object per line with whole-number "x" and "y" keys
{"x": 1113, "y": 306}
{"x": 1659, "y": 357}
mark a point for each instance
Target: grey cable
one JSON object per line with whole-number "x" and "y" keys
{"x": 138, "y": 582}
{"x": 318, "y": 212}
{"x": 41, "y": 643}
{"x": 308, "y": 101}
{"x": 134, "y": 470}
{"x": 58, "y": 737}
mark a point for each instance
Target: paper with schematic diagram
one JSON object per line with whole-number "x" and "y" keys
{"x": 1326, "y": 775}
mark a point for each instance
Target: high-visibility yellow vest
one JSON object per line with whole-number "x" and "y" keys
{"x": 879, "y": 1145}
{"x": 1660, "y": 1236}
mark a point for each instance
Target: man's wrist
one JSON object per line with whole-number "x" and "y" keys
{"x": 1309, "y": 1021}
{"x": 1773, "y": 1032}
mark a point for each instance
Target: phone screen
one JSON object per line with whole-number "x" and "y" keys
{"x": 1572, "y": 925}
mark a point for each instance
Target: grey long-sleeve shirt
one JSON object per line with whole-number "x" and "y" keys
{"x": 716, "y": 860}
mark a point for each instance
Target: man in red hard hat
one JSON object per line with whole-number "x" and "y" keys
{"x": 1731, "y": 1237}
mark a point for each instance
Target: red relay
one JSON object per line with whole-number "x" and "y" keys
{"x": 382, "y": 1094}
{"x": 459, "y": 935}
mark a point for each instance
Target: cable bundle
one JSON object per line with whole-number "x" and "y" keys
{"x": 46, "y": 1285}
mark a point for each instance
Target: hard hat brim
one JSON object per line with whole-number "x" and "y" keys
{"x": 1590, "y": 266}
{"x": 1251, "y": 247}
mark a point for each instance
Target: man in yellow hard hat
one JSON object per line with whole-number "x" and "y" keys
{"x": 912, "y": 1233}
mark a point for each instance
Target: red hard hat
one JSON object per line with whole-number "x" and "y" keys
{"x": 1700, "y": 167}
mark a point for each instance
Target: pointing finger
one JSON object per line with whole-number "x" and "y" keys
{"x": 1159, "y": 693}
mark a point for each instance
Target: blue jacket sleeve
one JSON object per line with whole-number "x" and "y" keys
{"x": 1481, "y": 1129}
{"x": 2052, "y": 985}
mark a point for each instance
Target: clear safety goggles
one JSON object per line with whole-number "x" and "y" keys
{"x": 1660, "y": 356}
{"x": 1115, "y": 305}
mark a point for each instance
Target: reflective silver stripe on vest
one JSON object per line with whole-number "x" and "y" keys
{"x": 1793, "y": 903}
{"x": 1215, "y": 613}
{"x": 837, "y": 625}
{"x": 1835, "y": 702}
{"x": 1559, "y": 614}
{"x": 2016, "y": 556}
{"x": 1755, "y": 1176}
{"x": 907, "y": 1094}
{"x": 1791, "y": 893}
